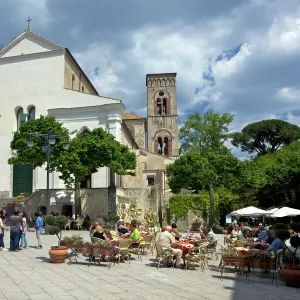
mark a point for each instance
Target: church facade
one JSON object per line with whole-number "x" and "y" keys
{"x": 39, "y": 77}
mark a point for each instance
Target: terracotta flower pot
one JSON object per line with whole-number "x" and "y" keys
{"x": 63, "y": 243}
{"x": 236, "y": 261}
{"x": 85, "y": 249}
{"x": 58, "y": 254}
{"x": 291, "y": 275}
{"x": 261, "y": 263}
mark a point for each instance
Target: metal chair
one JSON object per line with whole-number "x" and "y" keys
{"x": 213, "y": 251}
{"x": 68, "y": 225}
{"x": 124, "y": 248}
{"x": 146, "y": 243}
{"x": 163, "y": 254}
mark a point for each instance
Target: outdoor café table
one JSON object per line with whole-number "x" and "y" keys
{"x": 257, "y": 245}
{"x": 186, "y": 247}
{"x": 244, "y": 251}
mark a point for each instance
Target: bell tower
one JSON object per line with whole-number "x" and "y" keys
{"x": 162, "y": 117}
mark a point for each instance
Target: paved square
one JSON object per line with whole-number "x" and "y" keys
{"x": 29, "y": 274}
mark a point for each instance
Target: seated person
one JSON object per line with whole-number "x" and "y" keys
{"x": 166, "y": 239}
{"x": 175, "y": 232}
{"x": 202, "y": 235}
{"x": 99, "y": 233}
{"x": 236, "y": 233}
{"x": 134, "y": 234}
{"x": 277, "y": 244}
{"x": 211, "y": 238}
{"x": 122, "y": 229}
{"x": 229, "y": 229}
{"x": 270, "y": 237}
{"x": 99, "y": 219}
{"x": 262, "y": 234}
{"x": 92, "y": 228}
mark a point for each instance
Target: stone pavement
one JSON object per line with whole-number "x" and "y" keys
{"x": 29, "y": 274}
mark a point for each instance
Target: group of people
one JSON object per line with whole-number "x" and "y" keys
{"x": 18, "y": 227}
{"x": 271, "y": 237}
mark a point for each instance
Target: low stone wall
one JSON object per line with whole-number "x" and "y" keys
{"x": 93, "y": 202}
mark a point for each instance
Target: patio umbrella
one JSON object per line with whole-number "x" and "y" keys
{"x": 271, "y": 212}
{"x": 286, "y": 212}
{"x": 249, "y": 211}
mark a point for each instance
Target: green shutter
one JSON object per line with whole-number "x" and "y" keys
{"x": 22, "y": 179}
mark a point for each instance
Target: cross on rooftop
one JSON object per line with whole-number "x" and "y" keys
{"x": 28, "y": 20}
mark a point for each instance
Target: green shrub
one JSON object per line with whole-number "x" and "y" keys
{"x": 105, "y": 217}
{"x": 113, "y": 218}
{"x": 217, "y": 228}
{"x": 55, "y": 225}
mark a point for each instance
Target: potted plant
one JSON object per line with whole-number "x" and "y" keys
{"x": 83, "y": 247}
{"x": 230, "y": 258}
{"x": 55, "y": 226}
{"x": 261, "y": 260}
{"x": 113, "y": 219}
{"x": 291, "y": 270}
{"x": 69, "y": 241}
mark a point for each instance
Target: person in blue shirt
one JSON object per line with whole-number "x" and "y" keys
{"x": 277, "y": 244}
{"x": 38, "y": 227}
{"x": 262, "y": 234}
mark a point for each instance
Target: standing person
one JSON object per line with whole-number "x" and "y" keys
{"x": 15, "y": 224}
{"x": 24, "y": 231}
{"x": 38, "y": 227}
{"x": 2, "y": 228}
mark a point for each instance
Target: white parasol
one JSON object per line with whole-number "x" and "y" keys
{"x": 249, "y": 211}
{"x": 286, "y": 212}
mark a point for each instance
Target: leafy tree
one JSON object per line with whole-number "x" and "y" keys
{"x": 196, "y": 172}
{"x": 282, "y": 177}
{"x": 86, "y": 154}
{"x": 206, "y": 133}
{"x": 265, "y": 136}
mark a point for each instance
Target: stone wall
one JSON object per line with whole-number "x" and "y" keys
{"x": 144, "y": 199}
{"x": 93, "y": 202}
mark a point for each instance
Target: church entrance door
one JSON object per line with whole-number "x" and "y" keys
{"x": 22, "y": 179}
{"x": 67, "y": 210}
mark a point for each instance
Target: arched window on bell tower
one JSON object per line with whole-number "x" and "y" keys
{"x": 164, "y": 107}
{"x": 166, "y": 146}
{"x": 159, "y": 146}
{"x": 159, "y": 107}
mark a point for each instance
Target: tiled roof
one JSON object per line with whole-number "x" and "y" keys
{"x": 130, "y": 116}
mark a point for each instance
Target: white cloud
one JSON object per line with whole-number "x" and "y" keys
{"x": 36, "y": 9}
{"x": 284, "y": 34}
{"x": 294, "y": 119}
{"x": 289, "y": 93}
{"x": 259, "y": 82}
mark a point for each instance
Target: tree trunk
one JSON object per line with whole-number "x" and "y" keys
{"x": 211, "y": 205}
{"x": 77, "y": 200}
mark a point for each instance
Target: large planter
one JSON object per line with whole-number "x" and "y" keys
{"x": 261, "y": 263}
{"x": 68, "y": 245}
{"x": 84, "y": 249}
{"x": 58, "y": 254}
{"x": 235, "y": 261}
{"x": 291, "y": 275}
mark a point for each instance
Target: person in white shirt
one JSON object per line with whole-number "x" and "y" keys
{"x": 211, "y": 238}
{"x": 23, "y": 243}
{"x": 237, "y": 233}
{"x": 166, "y": 239}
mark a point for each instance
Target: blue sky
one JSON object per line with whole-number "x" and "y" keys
{"x": 237, "y": 56}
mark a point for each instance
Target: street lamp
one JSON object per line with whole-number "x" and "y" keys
{"x": 50, "y": 140}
